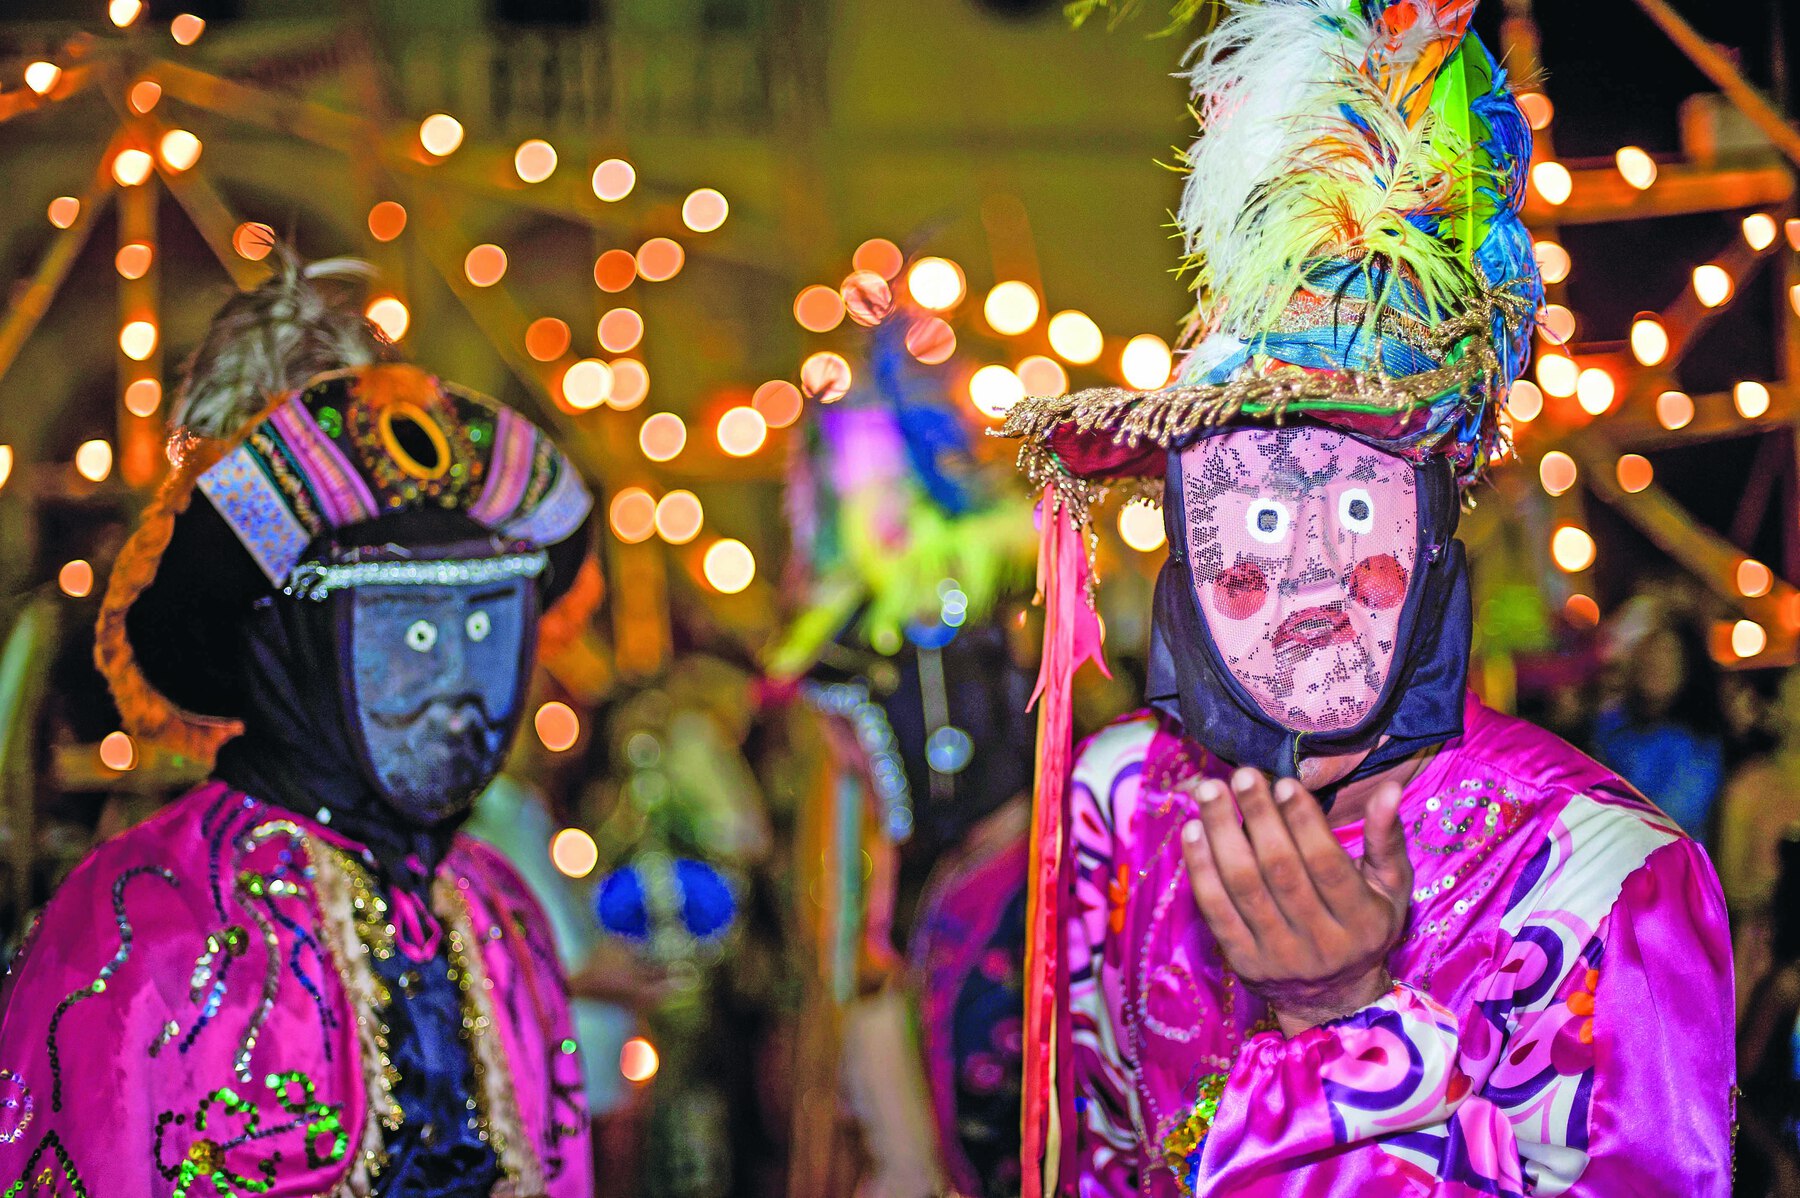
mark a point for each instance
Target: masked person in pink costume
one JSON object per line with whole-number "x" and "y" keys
{"x": 1318, "y": 922}
{"x": 299, "y": 979}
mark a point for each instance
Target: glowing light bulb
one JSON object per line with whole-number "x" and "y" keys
{"x": 931, "y": 340}
{"x": 868, "y": 300}
{"x": 1759, "y": 231}
{"x": 144, "y": 95}
{"x": 742, "y": 431}
{"x": 440, "y": 134}
{"x": 825, "y": 377}
{"x": 620, "y": 330}
{"x": 485, "y": 265}
{"x": 389, "y": 314}
{"x": 1581, "y": 609}
{"x": 704, "y": 210}
{"x": 728, "y": 565}
{"x": 1637, "y": 167}
{"x": 1649, "y": 340}
{"x": 1754, "y": 580}
{"x": 1557, "y": 472}
{"x": 1537, "y": 109}
{"x": 586, "y": 384}
{"x": 118, "y": 752}
{"x": 63, "y": 210}
{"x": 638, "y": 1061}
{"x": 614, "y": 179}
{"x": 133, "y": 260}
{"x": 779, "y": 402}
{"x": 1141, "y": 527}
{"x": 94, "y": 460}
{"x": 679, "y": 517}
{"x": 1146, "y": 362}
{"x": 138, "y": 339}
{"x": 557, "y": 726}
{"x": 574, "y": 853}
{"x": 253, "y": 240}
{"x": 76, "y": 579}
{"x": 123, "y": 12}
{"x": 547, "y": 339}
{"x": 41, "y": 76}
{"x": 1524, "y": 401}
{"x": 1751, "y": 399}
{"x": 660, "y": 259}
{"x": 995, "y": 389}
{"x": 1553, "y": 182}
{"x": 1572, "y": 549}
{"x": 662, "y": 437}
{"x": 1674, "y": 410}
{"x": 631, "y": 384}
{"x": 131, "y": 167}
{"x": 880, "y": 255}
{"x": 534, "y": 160}
{"x": 1011, "y": 308}
{"x": 1595, "y": 390}
{"x": 186, "y": 29}
{"x": 387, "y": 220}
{"x": 1748, "y": 638}
{"x": 936, "y": 283}
{"x": 143, "y": 397}
{"x": 1712, "y": 284}
{"x": 1634, "y": 473}
{"x": 1558, "y": 375}
{"x": 819, "y": 309}
{"x": 1075, "y": 337}
{"x": 1552, "y": 259}
{"x": 1042, "y": 376}
{"x": 1557, "y": 324}
{"x": 632, "y": 515}
{"x": 615, "y": 270}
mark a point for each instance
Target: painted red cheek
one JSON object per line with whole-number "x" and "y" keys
{"x": 1378, "y": 582}
{"x": 1240, "y": 591}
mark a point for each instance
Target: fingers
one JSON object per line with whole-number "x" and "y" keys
{"x": 1236, "y": 862}
{"x": 1228, "y": 927}
{"x": 1385, "y": 863}
{"x": 1284, "y": 870}
{"x": 1334, "y": 874}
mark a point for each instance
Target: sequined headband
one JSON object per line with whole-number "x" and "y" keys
{"x": 317, "y": 580}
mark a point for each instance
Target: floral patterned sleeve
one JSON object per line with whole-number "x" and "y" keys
{"x": 1103, "y": 788}
{"x": 1593, "y": 1060}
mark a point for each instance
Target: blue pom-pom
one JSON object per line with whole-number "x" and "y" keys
{"x": 707, "y": 905}
{"x": 619, "y": 905}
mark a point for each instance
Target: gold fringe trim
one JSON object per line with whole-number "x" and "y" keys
{"x": 334, "y": 891}
{"x": 493, "y": 1074}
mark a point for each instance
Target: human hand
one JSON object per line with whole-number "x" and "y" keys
{"x": 1306, "y": 928}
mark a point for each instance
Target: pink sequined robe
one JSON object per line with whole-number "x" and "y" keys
{"x": 195, "y": 1014}
{"x": 1562, "y": 1023}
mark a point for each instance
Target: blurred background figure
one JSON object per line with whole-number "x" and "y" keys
{"x": 1760, "y": 805}
{"x": 1768, "y": 1161}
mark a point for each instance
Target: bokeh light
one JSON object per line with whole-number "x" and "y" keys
{"x": 1634, "y": 473}
{"x": 253, "y": 240}
{"x": 1595, "y": 390}
{"x": 729, "y": 566}
{"x": 1754, "y": 580}
{"x": 1075, "y": 337}
{"x": 1552, "y": 181}
{"x": 574, "y": 853}
{"x": 630, "y": 386}
{"x": 138, "y": 339}
{"x": 1712, "y": 284}
{"x": 1759, "y": 231}
{"x": 76, "y": 579}
{"x": 534, "y": 160}
{"x": 1552, "y": 259}
{"x": 936, "y": 283}
{"x": 1558, "y": 375}
{"x": 742, "y": 431}
{"x": 818, "y": 309}
{"x": 632, "y": 515}
{"x": 124, "y": 12}
{"x": 131, "y": 167}
{"x": 1557, "y": 472}
{"x": 614, "y": 179}
{"x": 143, "y": 397}
{"x": 94, "y": 460}
{"x": 779, "y": 402}
{"x": 41, "y": 76}
{"x": 557, "y": 726}
{"x": 547, "y": 339}
{"x": 1649, "y": 340}
{"x": 638, "y": 1061}
{"x": 620, "y": 330}
{"x": 1011, "y": 308}
{"x": 186, "y": 29}
{"x": 586, "y": 384}
{"x": 1141, "y": 527}
{"x": 1556, "y": 324}
{"x": 1637, "y": 167}
{"x": 389, "y": 314}
{"x": 679, "y": 517}
{"x": 1524, "y": 401}
{"x": 1042, "y": 376}
{"x": 660, "y": 259}
{"x": 440, "y": 134}
{"x": 1537, "y": 108}
{"x": 387, "y": 220}
{"x": 994, "y": 390}
{"x": 931, "y": 340}
{"x": 868, "y": 300}
{"x": 143, "y": 95}
{"x": 1572, "y": 549}
{"x": 1748, "y": 638}
{"x": 1146, "y": 362}
{"x": 615, "y": 270}
{"x": 133, "y": 260}
{"x": 825, "y": 377}
{"x": 662, "y": 437}
{"x": 1674, "y": 410}
{"x": 485, "y": 265}
{"x": 880, "y": 255}
{"x": 180, "y": 150}
{"x": 704, "y": 210}
{"x": 1751, "y": 399}
{"x": 63, "y": 211}
{"x": 118, "y": 752}
{"x": 6, "y": 463}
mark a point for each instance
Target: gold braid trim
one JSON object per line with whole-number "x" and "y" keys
{"x": 334, "y": 892}
{"x": 499, "y": 1113}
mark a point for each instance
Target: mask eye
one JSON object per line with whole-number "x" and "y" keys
{"x": 1267, "y": 520}
{"x": 477, "y": 626}
{"x": 1356, "y": 511}
{"x": 421, "y": 636}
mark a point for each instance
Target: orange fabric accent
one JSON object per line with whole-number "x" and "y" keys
{"x": 388, "y": 383}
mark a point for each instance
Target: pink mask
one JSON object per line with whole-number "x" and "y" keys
{"x": 1302, "y": 542}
